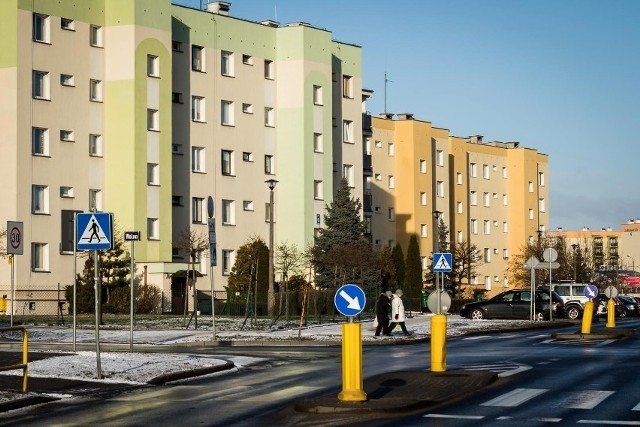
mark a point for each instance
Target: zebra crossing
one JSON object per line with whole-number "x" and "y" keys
{"x": 519, "y": 397}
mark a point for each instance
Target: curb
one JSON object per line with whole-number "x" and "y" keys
{"x": 181, "y": 375}
{"x": 24, "y": 402}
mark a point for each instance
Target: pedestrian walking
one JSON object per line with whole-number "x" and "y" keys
{"x": 397, "y": 313}
{"x": 383, "y": 309}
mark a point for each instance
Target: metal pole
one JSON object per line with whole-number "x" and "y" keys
{"x": 96, "y": 284}
{"x": 533, "y": 281}
{"x": 13, "y": 294}
{"x": 75, "y": 254}
{"x": 132, "y": 299}
{"x": 271, "y": 291}
{"x": 213, "y": 306}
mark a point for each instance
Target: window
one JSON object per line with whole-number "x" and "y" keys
{"x": 505, "y": 227}
{"x": 347, "y": 173}
{"x": 247, "y": 59}
{"x": 41, "y": 84}
{"x": 176, "y": 46}
{"x": 541, "y": 179}
{"x": 505, "y": 253}
{"x": 474, "y": 226}
{"x": 486, "y": 199}
{"x": 378, "y": 144}
{"x": 95, "y": 90}
{"x": 317, "y": 143}
{"x": 153, "y": 119}
{"x": 95, "y": 200}
{"x": 67, "y": 24}
{"x": 39, "y": 256}
{"x": 347, "y": 86}
{"x": 439, "y": 188}
{"x": 530, "y": 187}
{"x": 153, "y": 174}
{"x": 391, "y": 214}
{"x": 153, "y": 229}
{"x": 487, "y": 227}
{"x": 66, "y": 135}
{"x": 504, "y": 172}
{"x": 40, "y": 28}
{"x": 423, "y": 166}
{"x": 228, "y": 212}
{"x": 176, "y": 97}
{"x": 459, "y": 207}
{"x": 226, "y": 63}
{"x": 423, "y": 198}
{"x": 269, "y": 117}
{"x": 531, "y": 214}
{"x": 95, "y": 145}
{"x": 226, "y": 113}
{"x": 439, "y": 158}
{"x": 317, "y": 95}
{"x": 378, "y": 177}
{"x": 473, "y": 170}
{"x": 392, "y": 181}
{"x": 347, "y": 131}
{"x": 423, "y": 230}
{"x": 227, "y": 162}
{"x": 269, "y": 166}
{"x": 197, "y": 206}
{"x": 317, "y": 190}
{"x": 505, "y": 200}
{"x": 66, "y": 192}
{"x": 460, "y": 237}
{"x": 197, "y": 159}
{"x": 95, "y": 36}
{"x": 153, "y": 66}
{"x": 176, "y": 200}
{"x": 40, "y": 141}
{"x": 486, "y": 255}
{"x": 247, "y": 157}
{"x": 197, "y": 109}
{"x": 227, "y": 261}
{"x": 392, "y": 149}
{"x": 541, "y": 205}
{"x": 247, "y": 205}
{"x": 67, "y": 80}
{"x": 247, "y": 108}
{"x": 269, "y": 69}
{"x": 39, "y": 199}
{"x": 176, "y": 148}
{"x": 197, "y": 58}
{"x": 473, "y": 198}
{"x": 485, "y": 172}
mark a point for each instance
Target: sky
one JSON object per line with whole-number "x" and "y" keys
{"x": 139, "y": 367}
{"x": 558, "y": 76}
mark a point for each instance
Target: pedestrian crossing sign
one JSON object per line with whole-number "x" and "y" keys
{"x": 93, "y": 231}
{"x": 442, "y": 262}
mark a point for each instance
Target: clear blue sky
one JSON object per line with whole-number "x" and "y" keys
{"x": 560, "y": 76}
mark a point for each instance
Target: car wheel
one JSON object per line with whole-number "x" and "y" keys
{"x": 476, "y": 314}
{"x": 574, "y": 313}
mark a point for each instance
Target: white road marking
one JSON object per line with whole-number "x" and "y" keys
{"x": 636, "y": 408}
{"x": 515, "y": 397}
{"x": 610, "y": 422}
{"x": 459, "y": 417}
{"x": 542, "y": 420}
{"x": 585, "y": 399}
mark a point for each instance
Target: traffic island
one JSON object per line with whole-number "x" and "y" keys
{"x": 600, "y": 334}
{"x": 404, "y": 391}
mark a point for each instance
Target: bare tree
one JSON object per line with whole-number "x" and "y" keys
{"x": 289, "y": 261}
{"x": 192, "y": 243}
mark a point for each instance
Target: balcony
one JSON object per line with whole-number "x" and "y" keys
{"x": 367, "y": 203}
{"x": 367, "y": 165}
{"x": 366, "y": 125}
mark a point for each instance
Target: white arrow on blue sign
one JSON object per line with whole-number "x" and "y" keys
{"x": 350, "y": 300}
{"x": 590, "y": 291}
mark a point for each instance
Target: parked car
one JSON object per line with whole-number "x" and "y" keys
{"x": 515, "y": 304}
{"x": 574, "y": 298}
{"x": 628, "y": 306}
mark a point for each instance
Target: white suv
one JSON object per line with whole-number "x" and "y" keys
{"x": 573, "y": 296}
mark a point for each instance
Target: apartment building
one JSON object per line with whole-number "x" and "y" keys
{"x": 146, "y": 109}
{"x": 491, "y": 194}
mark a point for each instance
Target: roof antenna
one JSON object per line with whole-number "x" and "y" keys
{"x": 275, "y": 12}
{"x": 385, "y": 91}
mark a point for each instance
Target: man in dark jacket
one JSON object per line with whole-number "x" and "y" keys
{"x": 383, "y": 307}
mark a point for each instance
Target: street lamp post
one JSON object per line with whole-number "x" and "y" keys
{"x": 271, "y": 183}
{"x": 633, "y": 262}
{"x": 436, "y": 235}
{"x": 575, "y": 270}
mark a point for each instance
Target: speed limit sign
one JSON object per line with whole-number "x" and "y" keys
{"x": 14, "y": 238}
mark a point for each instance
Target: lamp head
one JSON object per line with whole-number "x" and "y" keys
{"x": 271, "y": 183}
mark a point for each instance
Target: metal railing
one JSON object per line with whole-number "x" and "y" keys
{"x": 25, "y": 355}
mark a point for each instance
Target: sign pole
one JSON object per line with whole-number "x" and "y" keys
{"x": 213, "y": 260}
{"x": 12, "y": 259}
{"x": 96, "y": 284}
{"x": 75, "y": 254}
{"x": 132, "y": 298}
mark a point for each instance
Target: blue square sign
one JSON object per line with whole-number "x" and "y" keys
{"x": 442, "y": 262}
{"x": 93, "y": 231}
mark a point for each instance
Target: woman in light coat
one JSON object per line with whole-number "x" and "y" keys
{"x": 397, "y": 313}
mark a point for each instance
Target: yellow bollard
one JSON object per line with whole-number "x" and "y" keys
{"x": 611, "y": 313}
{"x": 587, "y": 317}
{"x": 352, "y": 364}
{"x": 439, "y": 343}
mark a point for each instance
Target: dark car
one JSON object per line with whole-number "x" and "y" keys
{"x": 626, "y": 306}
{"x": 514, "y": 304}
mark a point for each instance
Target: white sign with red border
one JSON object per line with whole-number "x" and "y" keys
{"x": 15, "y": 238}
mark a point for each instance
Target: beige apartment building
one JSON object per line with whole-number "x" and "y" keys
{"x": 490, "y": 194}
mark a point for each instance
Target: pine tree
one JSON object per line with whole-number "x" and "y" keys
{"x": 413, "y": 270}
{"x": 340, "y": 249}
{"x": 252, "y": 263}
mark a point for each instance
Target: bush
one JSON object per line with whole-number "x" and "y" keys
{"x": 148, "y": 299}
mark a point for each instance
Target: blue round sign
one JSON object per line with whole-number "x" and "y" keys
{"x": 350, "y": 300}
{"x": 590, "y": 291}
